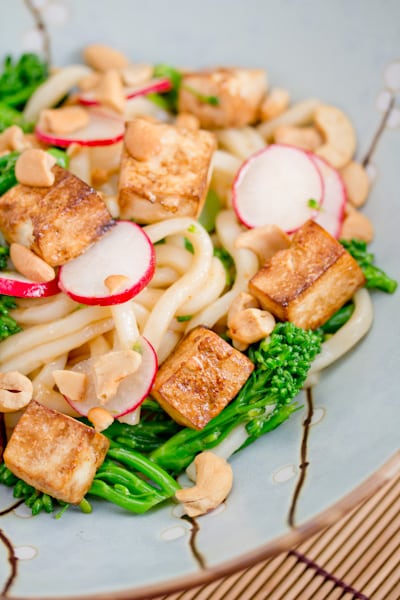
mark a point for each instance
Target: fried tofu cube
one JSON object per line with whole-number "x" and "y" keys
{"x": 308, "y": 282}
{"x": 54, "y": 453}
{"x": 164, "y": 171}
{"x": 200, "y": 378}
{"x": 59, "y": 222}
{"x": 238, "y": 94}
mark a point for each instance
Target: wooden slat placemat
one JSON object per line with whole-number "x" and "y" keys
{"x": 356, "y": 558}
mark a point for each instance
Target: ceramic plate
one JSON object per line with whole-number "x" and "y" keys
{"x": 343, "y": 443}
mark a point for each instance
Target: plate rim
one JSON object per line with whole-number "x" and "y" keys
{"x": 364, "y": 490}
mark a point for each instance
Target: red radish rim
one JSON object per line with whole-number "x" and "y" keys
{"x": 244, "y": 166}
{"x": 63, "y": 142}
{"x": 161, "y": 85}
{"x": 28, "y": 289}
{"x": 148, "y": 389}
{"x": 341, "y": 215}
{"x": 121, "y": 297}
{"x": 75, "y": 405}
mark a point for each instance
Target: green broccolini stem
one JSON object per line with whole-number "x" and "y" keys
{"x": 375, "y": 277}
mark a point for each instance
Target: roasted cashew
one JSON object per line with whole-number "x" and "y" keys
{"x": 264, "y": 241}
{"x": 307, "y": 138}
{"x": 110, "y": 91}
{"x": 356, "y": 182}
{"x": 214, "y": 479}
{"x": 33, "y": 168}
{"x": 357, "y": 226}
{"x": 136, "y": 74}
{"x": 71, "y": 384}
{"x": 100, "y": 417}
{"x": 103, "y": 58}
{"x": 13, "y": 138}
{"x": 15, "y": 391}
{"x": 111, "y": 368}
{"x": 339, "y": 136}
{"x": 142, "y": 139}
{"x": 241, "y": 302}
{"x": 251, "y": 325}
{"x": 30, "y": 265}
{"x": 64, "y": 120}
{"x": 274, "y": 104}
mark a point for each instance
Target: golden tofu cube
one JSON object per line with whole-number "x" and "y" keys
{"x": 308, "y": 282}
{"x": 200, "y": 378}
{"x": 59, "y": 222}
{"x": 172, "y": 181}
{"x": 238, "y": 93}
{"x": 54, "y": 453}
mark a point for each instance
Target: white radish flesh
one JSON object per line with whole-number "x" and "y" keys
{"x": 125, "y": 250}
{"x": 103, "y": 129}
{"x": 132, "y": 390}
{"x": 331, "y": 214}
{"x": 13, "y": 284}
{"x": 150, "y": 87}
{"x": 274, "y": 186}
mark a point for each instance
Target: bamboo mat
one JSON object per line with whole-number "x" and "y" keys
{"x": 356, "y": 558}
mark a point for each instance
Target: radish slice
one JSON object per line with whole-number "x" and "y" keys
{"x": 273, "y": 187}
{"x": 103, "y": 129}
{"x": 331, "y": 214}
{"x": 132, "y": 390}
{"x": 150, "y": 87}
{"x": 14, "y": 284}
{"x": 124, "y": 250}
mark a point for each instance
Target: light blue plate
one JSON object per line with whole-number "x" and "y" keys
{"x": 347, "y": 54}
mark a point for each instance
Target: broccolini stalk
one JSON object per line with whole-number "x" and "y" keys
{"x": 8, "y": 325}
{"x": 10, "y": 116}
{"x": 281, "y": 363}
{"x": 375, "y": 277}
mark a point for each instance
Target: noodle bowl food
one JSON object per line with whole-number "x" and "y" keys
{"x": 183, "y": 253}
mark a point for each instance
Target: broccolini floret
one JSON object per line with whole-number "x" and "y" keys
{"x": 8, "y": 325}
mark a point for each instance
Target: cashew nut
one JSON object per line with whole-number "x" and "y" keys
{"x": 299, "y": 114}
{"x": 142, "y": 139}
{"x": 33, "y": 168}
{"x": 136, "y": 74}
{"x": 103, "y": 58}
{"x": 356, "y": 182}
{"x": 251, "y": 325}
{"x": 111, "y": 368}
{"x": 357, "y": 226}
{"x": 64, "y": 120}
{"x": 13, "y": 138}
{"x": 116, "y": 283}
{"x": 241, "y": 302}
{"x": 89, "y": 82}
{"x": 110, "y": 91}
{"x": 15, "y": 391}
{"x": 100, "y": 417}
{"x": 30, "y": 265}
{"x": 301, "y": 137}
{"x": 274, "y": 104}
{"x": 339, "y": 136}
{"x": 71, "y": 384}
{"x": 264, "y": 241}
{"x": 214, "y": 479}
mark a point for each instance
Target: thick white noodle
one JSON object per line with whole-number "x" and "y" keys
{"x": 224, "y": 168}
{"x": 29, "y": 361}
{"x": 54, "y": 89}
{"x": 246, "y": 263}
{"x": 170, "y": 255}
{"x": 168, "y": 343}
{"x": 207, "y": 293}
{"x": 43, "y": 387}
{"x": 125, "y": 324}
{"x": 301, "y": 113}
{"x": 164, "y": 277}
{"x": 148, "y": 297}
{"x": 99, "y": 346}
{"x": 59, "y": 307}
{"x": 35, "y": 336}
{"x": 165, "y": 309}
{"x": 241, "y": 142}
{"x": 45, "y": 375}
{"x": 348, "y": 335}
